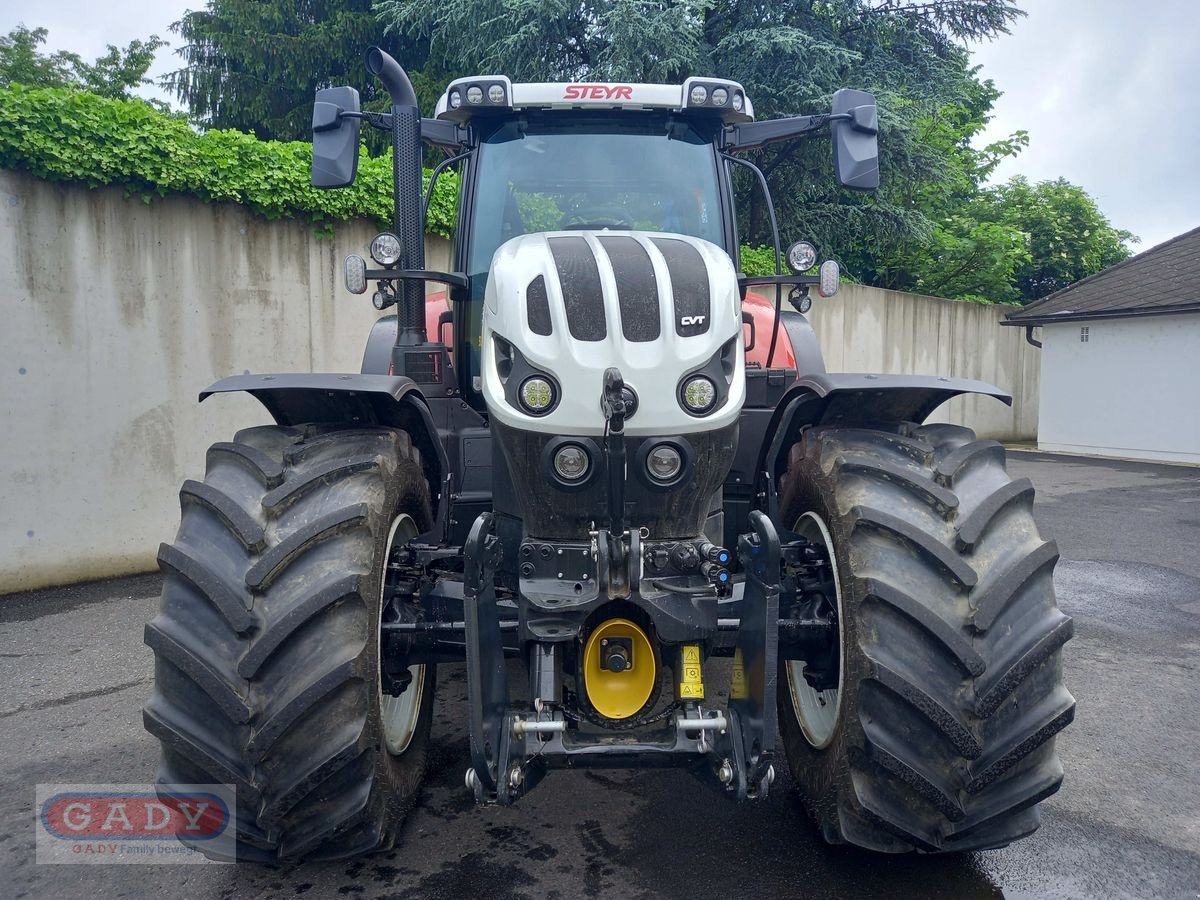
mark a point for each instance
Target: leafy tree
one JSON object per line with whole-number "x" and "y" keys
{"x": 114, "y": 75}
{"x": 254, "y": 65}
{"x": 1069, "y": 238}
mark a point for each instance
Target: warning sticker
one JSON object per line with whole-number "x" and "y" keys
{"x": 691, "y": 674}
{"x": 737, "y": 682}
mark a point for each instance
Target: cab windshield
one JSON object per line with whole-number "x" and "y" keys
{"x": 649, "y": 173}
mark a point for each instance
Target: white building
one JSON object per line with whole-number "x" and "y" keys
{"x": 1121, "y": 358}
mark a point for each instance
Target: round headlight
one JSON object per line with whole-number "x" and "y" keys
{"x": 455, "y": 99}
{"x": 699, "y": 94}
{"x": 663, "y": 462}
{"x": 496, "y": 93}
{"x": 737, "y": 101}
{"x": 801, "y": 256}
{"x": 720, "y": 96}
{"x": 537, "y": 395}
{"x": 474, "y": 94}
{"x": 699, "y": 394}
{"x": 571, "y": 462}
{"x": 386, "y": 249}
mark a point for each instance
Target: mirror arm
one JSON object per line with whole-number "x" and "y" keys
{"x": 753, "y": 135}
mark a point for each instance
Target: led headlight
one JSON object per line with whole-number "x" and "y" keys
{"x": 386, "y": 249}
{"x": 355, "y": 269}
{"x": 571, "y": 462}
{"x": 699, "y": 94}
{"x": 720, "y": 95}
{"x": 664, "y": 462}
{"x": 699, "y": 394}
{"x": 801, "y": 256}
{"x": 738, "y": 102}
{"x": 496, "y": 93}
{"x": 831, "y": 278}
{"x": 537, "y": 395}
{"x": 455, "y": 99}
{"x": 474, "y": 94}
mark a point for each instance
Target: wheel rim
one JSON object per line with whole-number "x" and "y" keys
{"x": 817, "y": 712}
{"x": 398, "y": 715}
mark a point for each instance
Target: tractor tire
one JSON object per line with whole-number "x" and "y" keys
{"x": 266, "y": 644}
{"x": 940, "y": 737}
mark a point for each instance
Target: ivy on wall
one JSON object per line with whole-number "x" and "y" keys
{"x": 61, "y": 134}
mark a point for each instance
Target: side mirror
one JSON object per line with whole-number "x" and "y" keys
{"x": 335, "y": 125}
{"x": 856, "y": 140}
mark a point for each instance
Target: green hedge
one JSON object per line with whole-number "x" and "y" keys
{"x": 62, "y": 134}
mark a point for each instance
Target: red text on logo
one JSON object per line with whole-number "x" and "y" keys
{"x": 598, "y": 92}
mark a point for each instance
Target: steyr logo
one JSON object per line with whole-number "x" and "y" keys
{"x": 691, "y": 320}
{"x": 598, "y": 92}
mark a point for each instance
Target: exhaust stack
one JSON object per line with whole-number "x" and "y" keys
{"x": 406, "y": 194}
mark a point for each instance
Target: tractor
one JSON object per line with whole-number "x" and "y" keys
{"x": 628, "y": 463}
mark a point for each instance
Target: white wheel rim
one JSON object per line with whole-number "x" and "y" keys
{"x": 817, "y": 711}
{"x": 399, "y": 714}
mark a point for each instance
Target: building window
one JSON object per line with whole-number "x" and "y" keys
{"x": 1083, "y": 334}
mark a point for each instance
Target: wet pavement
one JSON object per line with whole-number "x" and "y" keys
{"x": 1126, "y": 824}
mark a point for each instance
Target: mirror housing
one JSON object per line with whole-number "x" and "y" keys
{"x": 335, "y": 137}
{"x": 856, "y": 140}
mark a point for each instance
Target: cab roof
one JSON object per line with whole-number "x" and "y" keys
{"x": 481, "y": 95}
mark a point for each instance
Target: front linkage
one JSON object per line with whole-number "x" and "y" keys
{"x": 512, "y": 745}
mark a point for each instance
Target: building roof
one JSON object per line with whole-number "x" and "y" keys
{"x": 1164, "y": 279}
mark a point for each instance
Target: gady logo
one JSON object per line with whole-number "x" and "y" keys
{"x": 120, "y": 816}
{"x": 134, "y": 823}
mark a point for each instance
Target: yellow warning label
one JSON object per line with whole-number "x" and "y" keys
{"x": 691, "y": 674}
{"x": 737, "y": 682}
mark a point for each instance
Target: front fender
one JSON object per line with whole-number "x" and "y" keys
{"x": 300, "y": 398}
{"x": 858, "y": 401}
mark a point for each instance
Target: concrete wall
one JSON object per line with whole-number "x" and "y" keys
{"x": 1129, "y": 390}
{"x": 864, "y": 329}
{"x": 117, "y": 313}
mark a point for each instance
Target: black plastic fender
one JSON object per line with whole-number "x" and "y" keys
{"x": 858, "y": 400}
{"x": 804, "y": 343}
{"x": 377, "y": 355}
{"x": 299, "y": 398}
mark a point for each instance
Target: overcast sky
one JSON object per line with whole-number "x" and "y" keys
{"x": 1107, "y": 90}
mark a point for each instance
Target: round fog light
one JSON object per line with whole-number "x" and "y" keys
{"x": 455, "y": 99}
{"x": 663, "y": 462}
{"x": 537, "y": 395}
{"x": 801, "y": 256}
{"x": 699, "y": 94}
{"x": 496, "y": 93}
{"x": 720, "y": 95}
{"x": 699, "y": 394}
{"x": 474, "y": 94}
{"x": 571, "y": 462}
{"x": 386, "y": 249}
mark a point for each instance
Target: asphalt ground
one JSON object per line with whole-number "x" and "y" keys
{"x": 1126, "y": 823}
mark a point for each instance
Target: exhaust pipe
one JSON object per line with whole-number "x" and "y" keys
{"x": 406, "y": 194}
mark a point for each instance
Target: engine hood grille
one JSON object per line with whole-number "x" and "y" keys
{"x": 656, "y": 306}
